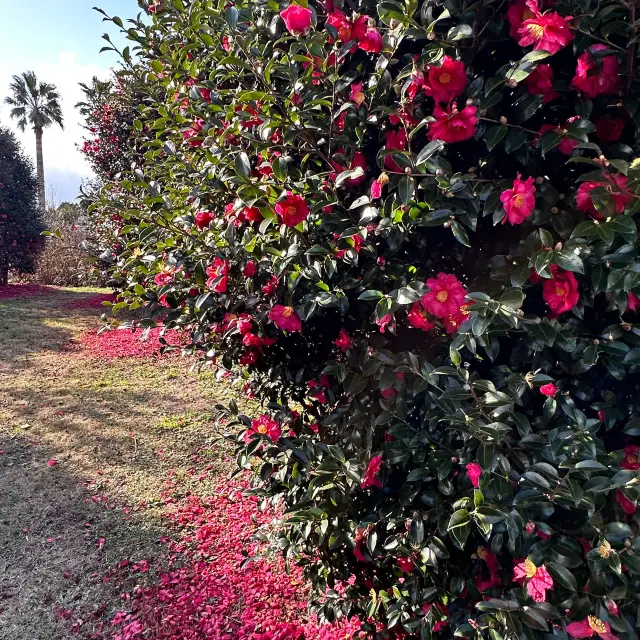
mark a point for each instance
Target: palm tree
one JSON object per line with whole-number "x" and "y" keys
{"x": 37, "y": 104}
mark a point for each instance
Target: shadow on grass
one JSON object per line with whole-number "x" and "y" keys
{"x": 56, "y": 545}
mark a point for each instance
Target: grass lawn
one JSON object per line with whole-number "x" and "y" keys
{"x": 87, "y": 448}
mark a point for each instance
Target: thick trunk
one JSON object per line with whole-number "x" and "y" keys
{"x": 40, "y": 167}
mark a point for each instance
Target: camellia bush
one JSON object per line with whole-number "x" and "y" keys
{"x": 410, "y": 228}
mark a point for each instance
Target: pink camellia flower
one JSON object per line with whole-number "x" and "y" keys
{"x": 270, "y": 288}
{"x": 561, "y": 291}
{"x": 52, "y": 463}
{"x": 537, "y": 579}
{"x": 566, "y": 145}
{"x": 204, "y": 218}
{"x": 446, "y": 82}
{"x": 384, "y": 321}
{"x": 633, "y": 302}
{"x": 597, "y": 77}
{"x": 519, "y": 201}
{"x": 394, "y": 140}
{"x": 612, "y": 607}
{"x": 244, "y": 325}
{"x": 474, "y": 471}
{"x": 627, "y": 506}
{"x": 371, "y": 478}
{"x": 217, "y": 272}
{"x": 453, "y": 321}
{"x": 418, "y": 319}
{"x": 453, "y": 125}
{"x": 584, "y": 201}
{"x": 547, "y": 32}
{"x": 631, "y": 458}
{"x": 249, "y": 269}
{"x": 517, "y": 13}
{"x": 226, "y": 43}
{"x": 406, "y": 564}
{"x": 591, "y": 626}
{"x": 608, "y": 128}
{"x": 416, "y": 82}
{"x": 265, "y": 425}
{"x": 297, "y": 19}
{"x": 292, "y": 209}
{"x": 548, "y": 390}
{"x": 254, "y": 341}
{"x": 540, "y": 82}
{"x": 371, "y": 41}
{"x": 445, "y": 296}
{"x": 343, "y": 341}
{"x": 164, "y": 277}
{"x": 285, "y": 318}
{"x": 356, "y": 94}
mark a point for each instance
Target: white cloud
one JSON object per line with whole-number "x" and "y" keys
{"x": 61, "y": 154}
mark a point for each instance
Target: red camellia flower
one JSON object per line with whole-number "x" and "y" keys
{"x": 445, "y": 296}
{"x": 584, "y": 200}
{"x": 249, "y": 269}
{"x": 537, "y": 579}
{"x": 189, "y": 134}
{"x": 448, "y": 81}
{"x": 540, "y": 82}
{"x": 561, "y": 291}
{"x": 416, "y": 82}
{"x": 292, "y": 209}
{"x": 394, "y": 140}
{"x": 356, "y": 94}
{"x": 343, "y": 341}
{"x": 164, "y": 277}
{"x": 549, "y": 390}
{"x": 627, "y": 506}
{"x": 371, "y": 42}
{"x": 297, "y": 19}
{"x": 633, "y": 302}
{"x": 384, "y": 321}
{"x": 204, "y": 219}
{"x": 418, "y": 318}
{"x": 371, "y": 478}
{"x": 217, "y": 273}
{"x": 591, "y": 626}
{"x": 608, "y": 128}
{"x": 406, "y": 564}
{"x": 270, "y": 288}
{"x": 265, "y": 425}
{"x": 453, "y": 125}
{"x": 474, "y": 471}
{"x": 377, "y": 185}
{"x": 226, "y": 43}
{"x": 517, "y": 13}
{"x": 285, "y": 318}
{"x": 631, "y": 458}
{"x": 453, "y": 322}
{"x": 597, "y": 76}
{"x": 547, "y": 32}
{"x": 519, "y": 201}
{"x": 567, "y": 145}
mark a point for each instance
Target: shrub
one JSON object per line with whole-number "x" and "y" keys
{"x": 411, "y": 227}
{"x": 20, "y": 220}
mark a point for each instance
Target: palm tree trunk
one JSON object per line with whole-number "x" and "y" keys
{"x": 40, "y": 167}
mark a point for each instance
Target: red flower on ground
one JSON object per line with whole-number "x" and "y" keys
{"x": 418, "y": 319}
{"x": 591, "y": 626}
{"x": 297, "y": 19}
{"x": 548, "y": 390}
{"x": 597, "y": 76}
{"x": 584, "y": 198}
{"x": 519, "y": 201}
{"x": 631, "y": 458}
{"x": 371, "y": 478}
{"x": 292, "y": 209}
{"x": 547, "y": 32}
{"x": 540, "y": 82}
{"x": 446, "y": 82}
{"x": 265, "y": 425}
{"x": 343, "y": 341}
{"x": 445, "y": 296}
{"x": 609, "y": 128}
{"x": 627, "y": 506}
{"x": 537, "y": 579}
{"x": 474, "y": 471}
{"x": 285, "y": 318}
{"x": 217, "y": 272}
{"x": 204, "y": 219}
{"x": 453, "y": 125}
{"x": 561, "y": 291}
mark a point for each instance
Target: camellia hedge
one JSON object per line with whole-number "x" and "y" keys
{"x": 410, "y": 226}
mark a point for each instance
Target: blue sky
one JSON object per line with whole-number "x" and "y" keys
{"x": 60, "y": 40}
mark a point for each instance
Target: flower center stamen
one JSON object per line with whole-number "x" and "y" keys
{"x": 530, "y": 568}
{"x": 596, "y": 624}
{"x": 442, "y": 296}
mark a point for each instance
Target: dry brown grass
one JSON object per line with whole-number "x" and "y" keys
{"x": 117, "y": 429}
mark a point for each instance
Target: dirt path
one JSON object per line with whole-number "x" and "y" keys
{"x": 87, "y": 447}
